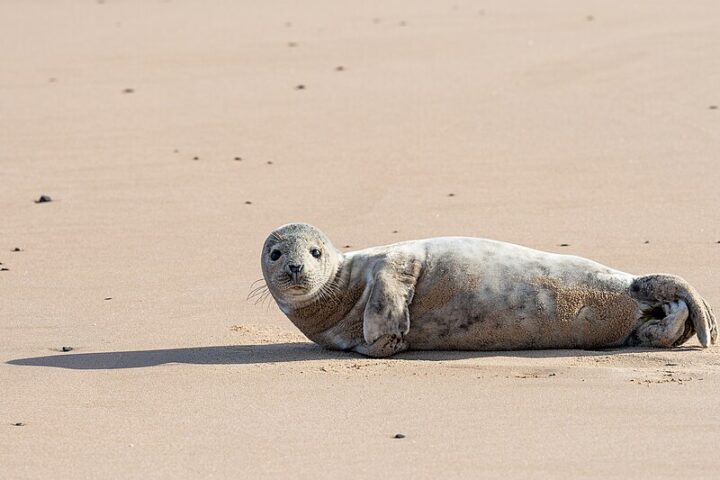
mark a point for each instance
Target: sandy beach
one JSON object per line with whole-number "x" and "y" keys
{"x": 173, "y": 136}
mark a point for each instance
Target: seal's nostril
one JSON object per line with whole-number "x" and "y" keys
{"x": 295, "y": 268}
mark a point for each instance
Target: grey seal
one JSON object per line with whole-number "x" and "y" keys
{"x": 462, "y": 293}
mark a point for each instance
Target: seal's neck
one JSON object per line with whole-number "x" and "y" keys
{"x": 327, "y": 307}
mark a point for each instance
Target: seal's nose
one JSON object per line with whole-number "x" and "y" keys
{"x": 295, "y": 269}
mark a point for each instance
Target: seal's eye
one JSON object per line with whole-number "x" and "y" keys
{"x": 275, "y": 254}
{"x": 315, "y": 253}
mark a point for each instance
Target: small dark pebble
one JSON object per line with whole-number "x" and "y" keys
{"x": 269, "y": 162}
{"x": 237, "y": 159}
{"x": 713, "y": 107}
{"x": 403, "y": 24}
{"x": 552, "y": 374}
{"x": 346, "y": 246}
{"x": 176, "y": 151}
{"x": 718, "y": 241}
{"x": 18, "y": 424}
{"x": 399, "y": 435}
{"x": 4, "y": 269}
{"x": 248, "y": 202}
{"x": 589, "y": 18}
{"x": 395, "y": 231}
{"x": 52, "y": 79}
{"x": 451, "y": 194}
{"x": 67, "y": 349}
{"x": 43, "y": 199}
{"x": 300, "y": 87}
{"x": 671, "y": 364}
{"x": 339, "y": 68}
{"x": 646, "y": 242}
{"x": 128, "y": 90}
{"x": 564, "y": 244}
{"x": 196, "y": 158}
{"x": 107, "y": 298}
{"x": 292, "y": 44}
{"x": 16, "y": 249}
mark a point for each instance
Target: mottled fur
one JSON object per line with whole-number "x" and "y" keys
{"x": 473, "y": 294}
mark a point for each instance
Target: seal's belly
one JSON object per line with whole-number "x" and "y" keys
{"x": 510, "y": 297}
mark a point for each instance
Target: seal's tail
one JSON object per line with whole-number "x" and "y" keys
{"x": 662, "y": 288}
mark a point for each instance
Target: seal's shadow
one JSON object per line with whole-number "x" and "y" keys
{"x": 271, "y": 353}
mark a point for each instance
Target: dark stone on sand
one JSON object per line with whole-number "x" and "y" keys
{"x": 346, "y": 246}
{"x": 589, "y": 18}
{"x": 339, "y": 68}
{"x": 646, "y": 242}
{"x": 248, "y": 202}
{"x": 128, "y": 90}
{"x": 196, "y": 158}
{"x": 237, "y": 159}
{"x": 52, "y": 79}
{"x": 269, "y": 162}
{"x": 16, "y": 249}
{"x": 67, "y": 349}
{"x": 451, "y": 194}
{"x": 4, "y": 269}
{"x": 713, "y": 107}
{"x": 395, "y": 231}
{"x": 107, "y": 298}
{"x": 300, "y": 87}
{"x": 564, "y": 244}
{"x": 43, "y": 199}
{"x": 292, "y": 44}
{"x": 18, "y": 424}
{"x": 399, "y": 435}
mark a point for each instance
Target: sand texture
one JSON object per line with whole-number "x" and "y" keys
{"x": 173, "y": 136}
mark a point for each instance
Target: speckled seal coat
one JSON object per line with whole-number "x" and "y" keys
{"x": 460, "y": 293}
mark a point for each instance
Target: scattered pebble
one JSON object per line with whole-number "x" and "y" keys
{"x": 269, "y": 162}
{"x": 237, "y": 159}
{"x": 590, "y": 18}
{"x": 451, "y": 194}
{"x": 339, "y": 68}
{"x": 176, "y": 151}
{"x": 552, "y": 374}
{"x": 346, "y": 246}
{"x": 67, "y": 349}
{"x": 248, "y": 202}
{"x": 43, "y": 199}
{"x": 292, "y": 44}
{"x": 128, "y": 90}
{"x": 671, "y": 364}
{"x": 399, "y": 435}
{"x": 646, "y": 242}
{"x": 16, "y": 249}
{"x": 18, "y": 424}
{"x": 52, "y": 80}
{"x": 300, "y": 87}
{"x": 713, "y": 107}
{"x": 564, "y": 244}
{"x": 196, "y": 158}
{"x": 403, "y": 24}
{"x": 395, "y": 231}
{"x": 107, "y": 298}
{"x": 4, "y": 269}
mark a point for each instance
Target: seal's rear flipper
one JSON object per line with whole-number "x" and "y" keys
{"x": 668, "y": 298}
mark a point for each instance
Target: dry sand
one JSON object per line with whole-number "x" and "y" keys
{"x": 558, "y": 122}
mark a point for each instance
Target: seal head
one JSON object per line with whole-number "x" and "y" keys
{"x": 298, "y": 261}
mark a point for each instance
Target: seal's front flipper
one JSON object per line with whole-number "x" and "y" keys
{"x": 667, "y": 297}
{"x": 392, "y": 289}
{"x": 385, "y": 346}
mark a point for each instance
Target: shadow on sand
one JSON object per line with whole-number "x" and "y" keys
{"x": 272, "y": 353}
